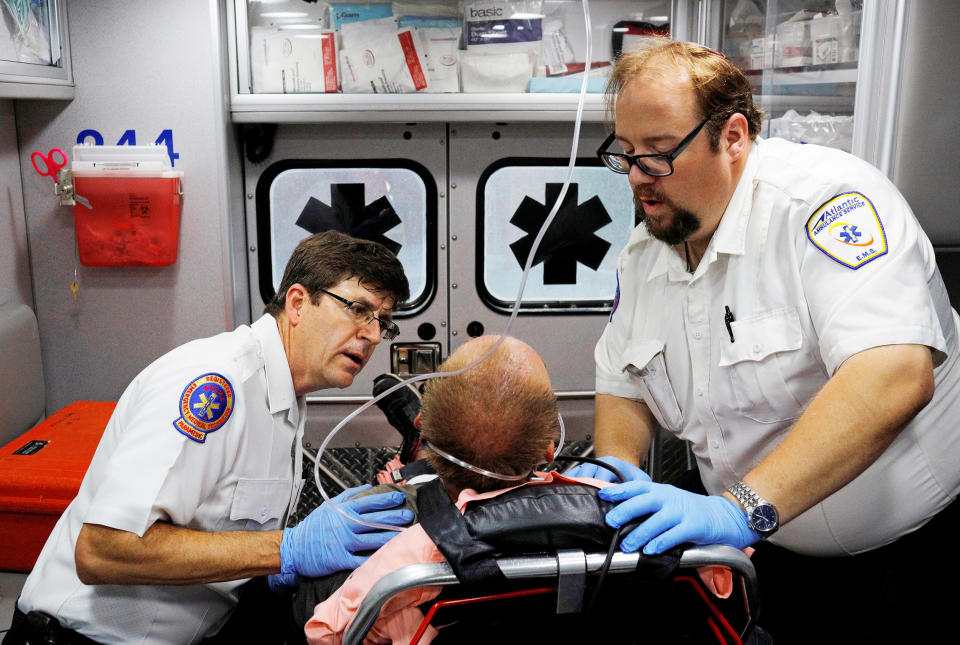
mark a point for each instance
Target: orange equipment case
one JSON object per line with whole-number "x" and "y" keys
{"x": 40, "y": 473}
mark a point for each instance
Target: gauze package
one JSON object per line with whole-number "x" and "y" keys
{"x": 392, "y": 65}
{"x": 495, "y": 72}
{"x": 499, "y": 27}
{"x": 441, "y": 50}
{"x": 284, "y": 61}
{"x": 342, "y": 13}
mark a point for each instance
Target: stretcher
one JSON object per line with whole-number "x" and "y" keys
{"x": 567, "y": 575}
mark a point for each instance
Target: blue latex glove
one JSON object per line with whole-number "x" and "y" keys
{"x": 282, "y": 582}
{"x": 676, "y": 516}
{"x": 325, "y": 541}
{"x": 628, "y": 470}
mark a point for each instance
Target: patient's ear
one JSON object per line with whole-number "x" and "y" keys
{"x": 549, "y": 453}
{"x": 418, "y": 420}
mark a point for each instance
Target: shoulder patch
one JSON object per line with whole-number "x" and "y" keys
{"x": 205, "y": 405}
{"x": 616, "y": 299}
{"x": 848, "y": 230}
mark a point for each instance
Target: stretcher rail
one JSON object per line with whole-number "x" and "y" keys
{"x": 547, "y": 565}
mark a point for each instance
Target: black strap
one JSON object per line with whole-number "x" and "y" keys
{"x": 472, "y": 560}
{"x": 411, "y": 470}
{"x": 38, "y": 627}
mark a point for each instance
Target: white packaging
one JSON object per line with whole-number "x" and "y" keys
{"x": 757, "y": 51}
{"x": 793, "y": 47}
{"x": 286, "y": 61}
{"x": 358, "y": 34}
{"x": 821, "y": 129}
{"x": 393, "y": 65}
{"x": 825, "y": 33}
{"x": 556, "y": 51}
{"x": 441, "y": 49}
{"x": 510, "y": 72}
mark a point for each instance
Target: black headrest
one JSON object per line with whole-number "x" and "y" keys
{"x": 543, "y": 517}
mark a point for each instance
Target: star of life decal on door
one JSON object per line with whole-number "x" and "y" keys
{"x": 848, "y": 230}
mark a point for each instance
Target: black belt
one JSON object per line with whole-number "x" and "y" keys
{"x": 38, "y": 628}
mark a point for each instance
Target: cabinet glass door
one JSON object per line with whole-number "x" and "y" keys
{"x": 28, "y": 32}
{"x": 471, "y": 46}
{"x": 801, "y": 57}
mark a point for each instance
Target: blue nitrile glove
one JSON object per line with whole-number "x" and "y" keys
{"x": 628, "y": 470}
{"x": 676, "y": 516}
{"x": 325, "y": 541}
{"x": 282, "y": 582}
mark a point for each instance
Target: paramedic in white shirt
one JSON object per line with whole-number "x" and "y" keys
{"x": 200, "y": 466}
{"x": 781, "y": 309}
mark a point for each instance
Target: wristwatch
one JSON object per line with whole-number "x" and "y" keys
{"x": 761, "y": 514}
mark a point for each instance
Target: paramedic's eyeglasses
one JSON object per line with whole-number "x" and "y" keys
{"x": 362, "y": 315}
{"x": 655, "y": 165}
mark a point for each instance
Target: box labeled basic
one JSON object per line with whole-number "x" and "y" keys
{"x": 40, "y": 473}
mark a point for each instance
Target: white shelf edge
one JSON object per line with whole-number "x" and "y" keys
{"x": 307, "y": 108}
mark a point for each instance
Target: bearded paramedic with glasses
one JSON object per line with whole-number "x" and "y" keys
{"x": 200, "y": 466}
{"x": 780, "y": 309}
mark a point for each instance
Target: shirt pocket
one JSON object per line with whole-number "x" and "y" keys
{"x": 644, "y": 361}
{"x": 768, "y": 368}
{"x": 260, "y": 504}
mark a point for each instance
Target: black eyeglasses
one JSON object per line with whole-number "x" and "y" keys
{"x": 362, "y": 315}
{"x": 655, "y": 165}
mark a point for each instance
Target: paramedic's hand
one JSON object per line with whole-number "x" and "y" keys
{"x": 676, "y": 516}
{"x": 628, "y": 470}
{"x": 280, "y": 583}
{"x": 326, "y": 541}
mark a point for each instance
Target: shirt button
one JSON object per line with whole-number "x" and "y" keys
{"x": 697, "y": 335}
{"x": 757, "y": 348}
{"x": 699, "y": 391}
{"x": 263, "y": 512}
{"x": 715, "y": 443}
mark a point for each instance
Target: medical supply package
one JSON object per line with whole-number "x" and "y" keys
{"x": 286, "y": 62}
{"x": 388, "y": 66}
{"x": 504, "y": 26}
{"x": 441, "y": 47}
{"x": 342, "y": 13}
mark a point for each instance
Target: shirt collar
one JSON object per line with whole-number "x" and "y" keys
{"x": 730, "y": 236}
{"x": 280, "y": 393}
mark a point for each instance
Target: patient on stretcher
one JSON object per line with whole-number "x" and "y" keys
{"x": 500, "y": 417}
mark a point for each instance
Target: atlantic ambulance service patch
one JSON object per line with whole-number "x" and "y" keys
{"x": 848, "y": 230}
{"x": 205, "y": 405}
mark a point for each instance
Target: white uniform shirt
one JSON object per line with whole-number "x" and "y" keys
{"x": 800, "y": 309}
{"x": 245, "y": 475}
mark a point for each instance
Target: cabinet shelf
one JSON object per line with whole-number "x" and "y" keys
{"x": 410, "y": 108}
{"x": 831, "y": 75}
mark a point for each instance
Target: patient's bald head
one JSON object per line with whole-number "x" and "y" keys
{"x": 500, "y": 415}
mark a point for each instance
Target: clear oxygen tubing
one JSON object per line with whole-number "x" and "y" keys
{"x": 516, "y": 305}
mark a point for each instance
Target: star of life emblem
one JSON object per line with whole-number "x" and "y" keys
{"x": 205, "y": 405}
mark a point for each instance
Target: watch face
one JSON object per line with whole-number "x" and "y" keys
{"x": 764, "y": 518}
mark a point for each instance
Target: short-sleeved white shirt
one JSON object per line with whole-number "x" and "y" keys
{"x": 245, "y": 475}
{"x": 817, "y": 257}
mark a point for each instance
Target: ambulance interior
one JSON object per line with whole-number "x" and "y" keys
{"x": 454, "y": 171}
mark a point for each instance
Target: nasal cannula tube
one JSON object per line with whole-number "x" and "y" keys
{"x": 513, "y": 312}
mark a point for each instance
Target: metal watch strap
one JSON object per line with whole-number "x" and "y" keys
{"x": 746, "y": 496}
